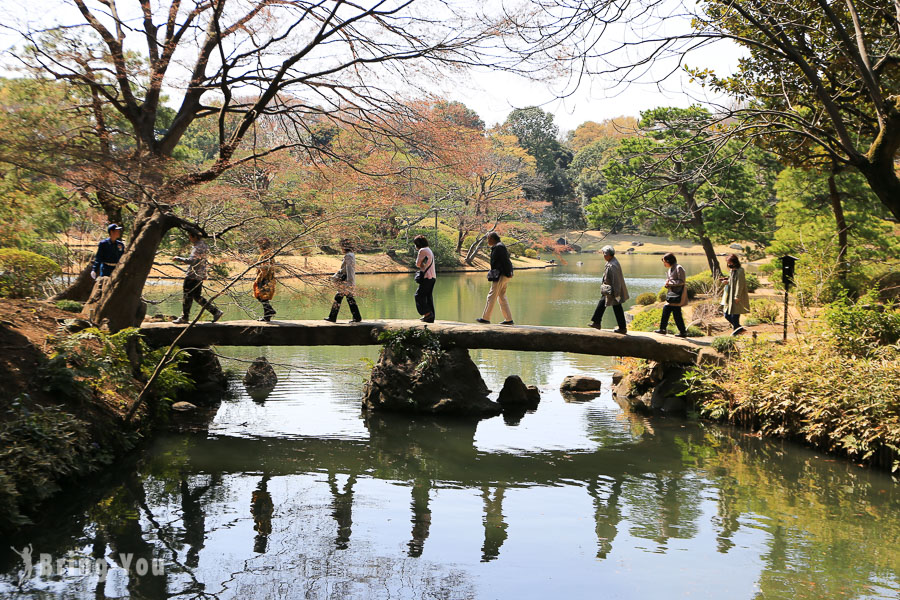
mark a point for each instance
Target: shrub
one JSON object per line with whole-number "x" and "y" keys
{"x": 859, "y": 329}
{"x": 22, "y": 273}
{"x": 808, "y": 390}
{"x": 646, "y": 299}
{"x": 701, "y": 283}
{"x": 69, "y": 305}
{"x": 531, "y": 253}
{"x": 444, "y": 247}
{"x": 726, "y": 344}
{"x": 516, "y": 249}
{"x": 765, "y": 311}
{"x": 661, "y": 295}
{"x": 752, "y": 282}
{"x": 648, "y": 320}
{"x": 706, "y": 311}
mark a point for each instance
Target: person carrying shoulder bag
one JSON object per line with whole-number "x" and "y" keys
{"x": 499, "y": 275}
{"x": 425, "y": 278}
{"x": 676, "y": 296}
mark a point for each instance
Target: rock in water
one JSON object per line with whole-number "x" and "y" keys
{"x": 183, "y": 406}
{"x": 581, "y": 384}
{"x": 452, "y": 387}
{"x": 516, "y": 394}
{"x": 260, "y": 375}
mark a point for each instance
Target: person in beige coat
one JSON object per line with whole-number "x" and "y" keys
{"x": 613, "y": 291}
{"x": 736, "y": 299}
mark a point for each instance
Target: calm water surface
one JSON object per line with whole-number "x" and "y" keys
{"x": 299, "y": 495}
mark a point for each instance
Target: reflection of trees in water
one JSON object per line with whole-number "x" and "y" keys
{"x": 831, "y": 529}
{"x": 828, "y": 532}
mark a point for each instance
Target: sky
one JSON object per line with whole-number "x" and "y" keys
{"x": 493, "y": 95}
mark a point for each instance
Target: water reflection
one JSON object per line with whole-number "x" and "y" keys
{"x": 701, "y": 498}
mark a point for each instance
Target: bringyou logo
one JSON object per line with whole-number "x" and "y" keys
{"x": 79, "y": 566}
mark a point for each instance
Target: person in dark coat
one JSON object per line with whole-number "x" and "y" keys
{"x": 676, "y": 296}
{"x": 500, "y": 274}
{"x": 613, "y": 291}
{"x": 109, "y": 251}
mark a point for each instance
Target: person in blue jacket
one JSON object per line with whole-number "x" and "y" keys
{"x": 109, "y": 251}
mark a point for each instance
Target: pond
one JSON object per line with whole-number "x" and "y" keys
{"x": 300, "y": 495}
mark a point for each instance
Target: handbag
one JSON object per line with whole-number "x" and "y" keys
{"x": 606, "y": 289}
{"x": 493, "y": 275}
{"x": 420, "y": 275}
{"x": 673, "y": 297}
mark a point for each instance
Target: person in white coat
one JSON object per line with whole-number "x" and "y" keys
{"x": 345, "y": 279}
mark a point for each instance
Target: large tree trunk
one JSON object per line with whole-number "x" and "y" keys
{"x": 711, "y": 257}
{"x": 121, "y": 305}
{"x": 80, "y": 289}
{"x": 699, "y": 229}
{"x": 841, "y": 225}
{"x": 886, "y": 185}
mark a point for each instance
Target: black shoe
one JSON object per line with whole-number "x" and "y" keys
{"x": 485, "y": 321}
{"x": 356, "y": 320}
{"x": 681, "y": 334}
{"x": 181, "y": 320}
{"x": 217, "y": 315}
{"x": 594, "y": 325}
{"x": 264, "y": 319}
{"x": 661, "y": 332}
{"x": 330, "y": 320}
{"x": 620, "y": 330}
{"x": 429, "y": 318}
{"x": 507, "y": 323}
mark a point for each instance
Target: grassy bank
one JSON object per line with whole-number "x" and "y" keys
{"x": 64, "y": 397}
{"x": 836, "y": 389}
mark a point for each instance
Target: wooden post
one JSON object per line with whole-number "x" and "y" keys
{"x": 784, "y": 337}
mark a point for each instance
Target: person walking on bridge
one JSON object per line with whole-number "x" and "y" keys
{"x": 345, "y": 279}
{"x": 109, "y": 251}
{"x": 613, "y": 291}
{"x": 676, "y": 296}
{"x": 198, "y": 263}
{"x": 499, "y": 275}
{"x": 264, "y": 286}
{"x": 425, "y": 277}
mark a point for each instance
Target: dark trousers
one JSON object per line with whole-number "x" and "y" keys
{"x": 425, "y": 297}
{"x": 735, "y": 320}
{"x": 193, "y": 290}
{"x": 351, "y": 302}
{"x": 675, "y": 311}
{"x": 268, "y": 311}
{"x": 617, "y": 310}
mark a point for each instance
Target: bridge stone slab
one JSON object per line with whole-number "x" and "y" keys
{"x": 530, "y": 338}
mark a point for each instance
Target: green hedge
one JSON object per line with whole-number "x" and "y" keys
{"x": 23, "y": 273}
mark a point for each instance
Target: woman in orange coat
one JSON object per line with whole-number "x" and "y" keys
{"x": 264, "y": 286}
